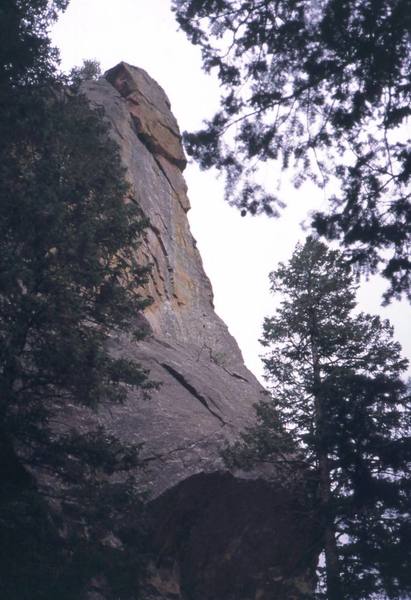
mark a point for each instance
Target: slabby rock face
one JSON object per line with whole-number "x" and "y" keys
{"x": 216, "y": 536}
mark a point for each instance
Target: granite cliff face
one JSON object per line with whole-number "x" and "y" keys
{"x": 215, "y": 535}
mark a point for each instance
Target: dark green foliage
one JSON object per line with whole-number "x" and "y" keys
{"x": 67, "y": 239}
{"x": 337, "y": 394}
{"x": 70, "y": 515}
{"x": 324, "y": 88}
{"x": 78, "y": 526}
{"x": 69, "y": 282}
{"x": 26, "y": 55}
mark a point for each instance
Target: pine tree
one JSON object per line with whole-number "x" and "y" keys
{"x": 26, "y": 53}
{"x": 337, "y": 396}
{"x": 69, "y": 284}
{"x": 69, "y": 231}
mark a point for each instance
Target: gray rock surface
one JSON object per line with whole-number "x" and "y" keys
{"x": 207, "y": 393}
{"x": 207, "y": 525}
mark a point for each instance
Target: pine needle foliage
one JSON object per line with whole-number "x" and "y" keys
{"x": 339, "y": 410}
{"x": 70, "y": 285}
{"x": 322, "y": 88}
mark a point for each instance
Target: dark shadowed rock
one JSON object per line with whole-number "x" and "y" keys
{"x": 215, "y": 535}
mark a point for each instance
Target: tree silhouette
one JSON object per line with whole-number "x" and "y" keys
{"x": 337, "y": 396}
{"x": 323, "y": 88}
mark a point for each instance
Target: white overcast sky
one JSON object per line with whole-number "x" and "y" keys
{"x": 238, "y": 253}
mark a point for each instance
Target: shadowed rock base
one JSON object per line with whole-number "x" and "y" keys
{"x": 215, "y": 537}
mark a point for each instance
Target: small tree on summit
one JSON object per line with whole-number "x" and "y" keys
{"x": 337, "y": 396}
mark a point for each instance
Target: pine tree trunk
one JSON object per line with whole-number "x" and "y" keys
{"x": 330, "y": 545}
{"x": 331, "y": 565}
{"x": 332, "y": 569}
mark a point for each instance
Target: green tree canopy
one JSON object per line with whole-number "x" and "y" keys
{"x": 26, "y": 54}
{"x": 322, "y": 87}
{"x": 338, "y": 397}
{"x": 69, "y": 231}
{"x": 67, "y": 239}
{"x": 70, "y": 284}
